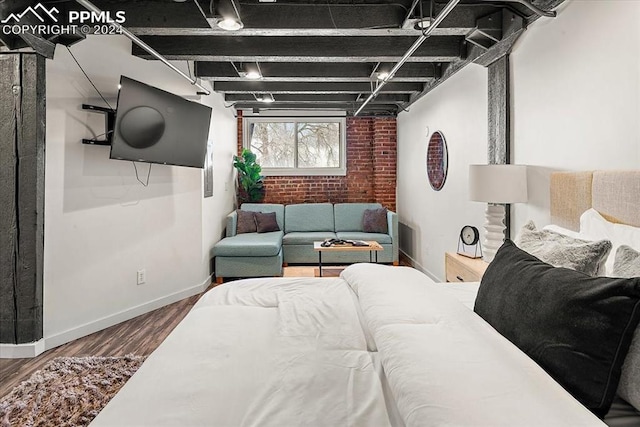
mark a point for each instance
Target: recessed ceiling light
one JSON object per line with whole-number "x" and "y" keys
{"x": 422, "y": 24}
{"x": 230, "y": 24}
{"x": 382, "y": 75}
{"x": 253, "y": 75}
{"x": 266, "y": 97}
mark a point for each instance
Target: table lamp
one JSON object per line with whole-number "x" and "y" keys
{"x": 496, "y": 185}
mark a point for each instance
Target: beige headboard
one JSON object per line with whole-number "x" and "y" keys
{"x": 615, "y": 194}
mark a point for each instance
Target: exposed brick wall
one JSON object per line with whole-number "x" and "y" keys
{"x": 385, "y": 154}
{"x": 371, "y": 169}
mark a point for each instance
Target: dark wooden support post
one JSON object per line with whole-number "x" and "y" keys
{"x": 499, "y": 147}
{"x": 22, "y": 125}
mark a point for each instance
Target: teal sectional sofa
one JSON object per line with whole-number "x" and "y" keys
{"x": 264, "y": 254}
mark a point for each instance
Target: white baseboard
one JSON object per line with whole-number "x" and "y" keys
{"x": 114, "y": 319}
{"x": 419, "y": 267}
{"x": 21, "y": 351}
{"x": 14, "y": 351}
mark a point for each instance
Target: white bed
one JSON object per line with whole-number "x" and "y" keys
{"x": 380, "y": 346}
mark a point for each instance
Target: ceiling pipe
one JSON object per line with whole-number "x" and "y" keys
{"x": 121, "y": 30}
{"x": 425, "y": 35}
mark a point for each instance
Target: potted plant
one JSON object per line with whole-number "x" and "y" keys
{"x": 250, "y": 180}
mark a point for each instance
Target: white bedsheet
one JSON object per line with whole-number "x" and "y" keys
{"x": 302, "y": 352}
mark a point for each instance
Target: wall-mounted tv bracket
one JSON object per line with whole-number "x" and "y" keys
{"x": 109, "y": 124}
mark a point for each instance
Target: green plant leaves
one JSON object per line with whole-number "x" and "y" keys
{"x": 249, "y": 175}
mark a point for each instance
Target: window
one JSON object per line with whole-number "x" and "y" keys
{"x": 301, "y": 146}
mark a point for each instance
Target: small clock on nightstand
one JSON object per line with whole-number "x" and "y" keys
{"x": 469, "y": 242}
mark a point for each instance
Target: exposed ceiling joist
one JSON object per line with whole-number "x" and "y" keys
{"x": 322, "y": 54}
{"x": 313, "y": 71}
{"x": 391, "y": 98}
{"x": 302, "y": 87}
{"x": 302, "y": 49}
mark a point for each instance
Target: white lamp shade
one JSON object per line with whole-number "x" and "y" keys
{"x": 498, "y": 183}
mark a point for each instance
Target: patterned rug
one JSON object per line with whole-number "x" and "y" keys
{"x": 68, "y": 391}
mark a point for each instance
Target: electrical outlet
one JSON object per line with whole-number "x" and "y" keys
{"x": 142, "y": 276}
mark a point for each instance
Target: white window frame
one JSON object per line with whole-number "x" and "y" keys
{"x": 341, "y": 170}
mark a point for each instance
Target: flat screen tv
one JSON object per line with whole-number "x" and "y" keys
{"x": 155, "y": 126}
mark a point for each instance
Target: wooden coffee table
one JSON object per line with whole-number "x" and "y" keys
{"x": 373, "y": 249}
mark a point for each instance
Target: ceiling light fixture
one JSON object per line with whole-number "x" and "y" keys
{"x": 382, "y": 75}
{"x": 422, "y": 24}
{"x": 265, "y": 97}
{"x": 226, "y": 15}
{"x": 253, "y": 75}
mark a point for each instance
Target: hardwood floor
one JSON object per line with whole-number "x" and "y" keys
{"x": 140, "y": 336}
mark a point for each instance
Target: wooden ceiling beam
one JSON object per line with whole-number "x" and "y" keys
{"x": 313, "y": 71}
{"x": 301, "y": 49}
{"x": 328, "y": 98}
{"x": 312, "y": 87}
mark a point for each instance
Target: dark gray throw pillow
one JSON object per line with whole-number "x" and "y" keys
{"x": 375, "y": 221}
{"x": 578, "y": 328}
{"x": 246, "y": 222}
{"x": 266, "y": 222}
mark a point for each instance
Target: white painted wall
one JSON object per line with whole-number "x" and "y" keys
{"x": 215, "y": 209}
{"x": 576, "y": 95}
{"x": 101, "y": 224}
{"x": 575, "y": 106}
{"x": 458, "y": 108}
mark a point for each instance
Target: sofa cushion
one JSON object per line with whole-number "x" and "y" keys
{"x": 375, "y": 221}
{"x": 250, "y": 244}
{"x": 246, "y": 222}
{"x": 358, "y": 235}
{"x": 266, "y": 222}
{"x": 308, "y": 217}
{"x": 266, "y": 208}
{"x": 307, "y": 237}
{"x": 349, "y": 215}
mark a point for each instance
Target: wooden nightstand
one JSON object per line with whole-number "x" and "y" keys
{"x": 459, "y": 268}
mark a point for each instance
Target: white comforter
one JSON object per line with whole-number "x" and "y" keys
{"x": 307, "y": 352}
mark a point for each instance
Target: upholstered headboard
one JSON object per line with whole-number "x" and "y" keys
{"x": 615, "y": 194}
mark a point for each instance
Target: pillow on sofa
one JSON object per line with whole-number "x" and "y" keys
{"x": 564, "y": 251}
{"x": 246, "y": 222}
{"x": 375, "y": 221}
{"x": 627, "y": 264}
{"x": 266, "y": 222}
{"x": 576, "y": 327}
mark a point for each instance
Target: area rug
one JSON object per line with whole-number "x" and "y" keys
{"x": 68, "y": 391}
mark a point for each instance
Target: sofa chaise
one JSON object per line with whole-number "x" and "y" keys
{"x": 264, "y": 254}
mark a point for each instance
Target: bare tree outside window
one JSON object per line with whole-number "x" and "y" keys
{"x": 318, "y": 145}
{"x": 297, "y": 145}
{"x": 273, "y": 144}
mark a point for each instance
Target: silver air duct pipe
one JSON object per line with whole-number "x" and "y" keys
{"x": 437, "y": 21}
